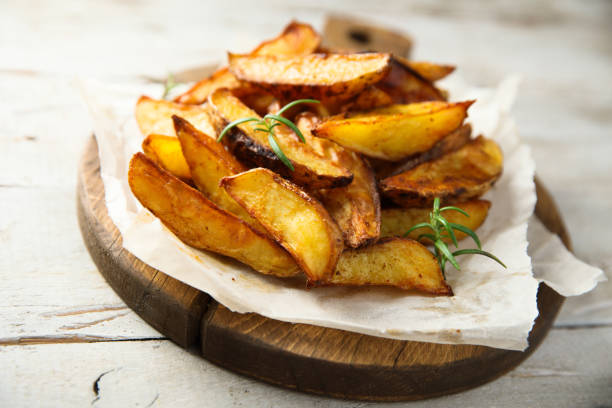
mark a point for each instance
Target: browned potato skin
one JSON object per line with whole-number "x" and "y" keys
{"x": 404, "y": 85}
{"x": 296, "y": 39}
{"x": 201, "y": 224}
{"x": 356, "y": 207}
{"x": 268, "y": 72}
{"x": 209, "y": 163}
{"x": 396, "y": 221}
{"x": 398, "y": 262}
{"x": 263, "y": 185}
{"x": 454, "y": 141}
{"x": 249, "y": 150}
{"x": 166, "y": 152}
{"x": 455, "y": 177}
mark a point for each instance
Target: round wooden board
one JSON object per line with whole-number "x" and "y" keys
{"x": 297, "y": 356}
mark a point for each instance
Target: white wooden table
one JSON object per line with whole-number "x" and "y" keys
{"x": 67, "y": 340}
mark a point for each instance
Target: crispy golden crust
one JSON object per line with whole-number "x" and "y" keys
{"x": 199, "y": 223}
{"x": 310, "y": 169}
{"x": 396, "y": 221}
{"x": 453, "y": 141}
{"x": 297, "y": 221}
{"x": 398, "y": 262}
{"x": 296, "y": 39}
{"x": 395, "y": 132}
{"x": 166, "y": 152}
{"x": 458, "y": 176}
{"x": 198, "y": 93}
{"x": 404, "y": 85}
{"x": 209, "y": 163}
{"x": 318, "y": 76}
{"x": 155, "y": 116}
{"x": 428, "y": 70}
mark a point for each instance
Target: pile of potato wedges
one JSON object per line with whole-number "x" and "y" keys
{"x": 379, "y": 147}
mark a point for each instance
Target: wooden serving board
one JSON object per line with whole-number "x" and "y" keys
{"x": 298, "y": 356}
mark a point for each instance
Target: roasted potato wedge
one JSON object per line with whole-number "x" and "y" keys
{"x": 318, "y": 76}
{"x": 209, "y": 163}
{"x": 404, "y": 85}
{"x": 155, "y": 116}
{"x": 395, "y": 132}
{"x": 310, "y": 169}
{"x": 166, "y": 152}
{"x": 396, "y": 221}
{"x": 429, "y": 71}
{"x": 201, "y": 224}
{"x": 458, "y": 176}
{"x": 298, "y": 222}
{"x": 198, "y": 93}
{"x": 453, "y": 141}
{"x": 356, "y": 207}
{"x": 399, "y": 262}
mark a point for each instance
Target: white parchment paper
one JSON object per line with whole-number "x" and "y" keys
{"x": 492, "y": 306}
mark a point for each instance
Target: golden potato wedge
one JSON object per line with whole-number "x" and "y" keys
{"x": 296, "y": 39}
{"x": 318, "y": 76}
{"x": 209, "y": 163}
{"x": 155, "y": 116}
{"x": 166, "y": 152}
{"x": 453, "y": 141}
{"x": 405, "y": 86}
{"x": 396, "y": 221}
{"x": 198, "y": 93}
{"x": 395, "y": 132}
{"x": 298, "y": 222}
{"x": 458, "y": 176}
{"x": 399, "y": 262}
{"x": 371, "y": 98}
{"x": 356, "y": 207}
{"x": 310, "y": 169}
{"x": 201, "y": 224}
{"x": 429, "y": 71}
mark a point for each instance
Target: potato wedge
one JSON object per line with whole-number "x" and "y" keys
{"x": 201, "y": 224}
{"x": 404, "y": 85}
{"x": 209, "y": 163}
{"x": 198, "y": 93}
{"x": 399, "y": 262}
{"x": 310, "y": 169}
{"x": 429, "y": 71}
{"x": 453, "y": 141}
{"x": 395, "y": 132}
{"x": 155, "y": 116}
{"x": 166, "y": 152}
{"x": 458, "y": 176}
{"x": 318, "y": 76}
{"x": 298, "y": 222}
{"x": 396, "y": 221}
{"x": 356, "y": 207}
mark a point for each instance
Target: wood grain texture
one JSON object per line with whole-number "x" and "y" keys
{"x": 297, "y": 356}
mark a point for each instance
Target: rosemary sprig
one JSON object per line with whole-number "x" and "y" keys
{"x": 169, "y": 85}
{"x": 441, "y": 229}
{"x": 267, "y": 125}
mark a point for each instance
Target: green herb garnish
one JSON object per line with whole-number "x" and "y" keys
{"x": 267, "y": 125}
{"x": 441, "y": 229}
{"x": 169, "y": 85}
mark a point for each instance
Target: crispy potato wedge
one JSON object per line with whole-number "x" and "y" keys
{"x": 318, "y": 76}
{"x": 371, "y": 98}
{"x": 399, "y": 262}
{"x": 209, "y": 163}
{"x": 356, "y": 207}
{"x": 458, "y": 176}
{"x": 201, "y": 224}
{"x": 166, "y": 152}
{"x": 155, "y": 116}
{"x": 428, "y": 70}
{"x": 453, "y": 141}
{"x": 198, "y": 93}
{"x": 404, "y": 85}
{"x": 310, "y": 169}
{"x": 298, "y": 222}
{"x": 395, "y": 132}
{"x": 396, "y": 221}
